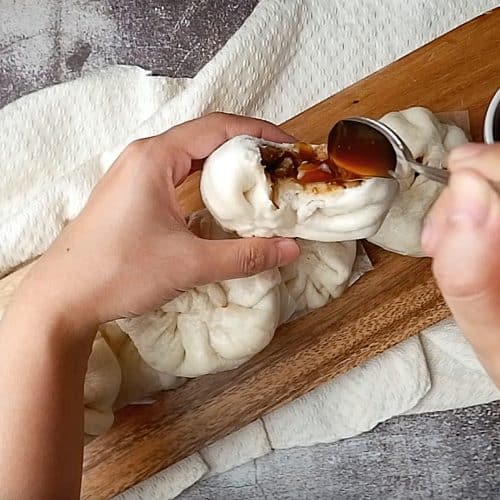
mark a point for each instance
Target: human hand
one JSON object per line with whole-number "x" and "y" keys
{"x": 462, "y": 234}
{"x": 130, "y": 251}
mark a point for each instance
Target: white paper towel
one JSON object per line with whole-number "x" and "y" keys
{"x": 237, "y": 448}
{"x": 288, "y": 55}
{"x": 170, "y": 482}
{"x": 355, "y": 402}
{"x": 49, "y": 143}
{"x": 457, "y": 377}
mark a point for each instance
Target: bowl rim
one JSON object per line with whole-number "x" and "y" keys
{"x": 493, "y": 108}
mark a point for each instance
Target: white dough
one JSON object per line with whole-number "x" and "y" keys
{"x": 138, "y": 379}
{"x": 101, "y": 388}
{"x": 210, "y": 328}
{"x": 321, "y": 273}
{"x": 237, "y": 191}
{"x": 117, "y": 376}
{"x": 431, "y": 140}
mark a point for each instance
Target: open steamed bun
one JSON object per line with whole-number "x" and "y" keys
{"x": 260, "y": 188}
{"x": 429, "y": 140}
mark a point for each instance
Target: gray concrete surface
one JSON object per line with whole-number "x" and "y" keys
{"x": 444, "y": 455}
{"x": 441, "y": 455}
{"x": 49, "y": 41}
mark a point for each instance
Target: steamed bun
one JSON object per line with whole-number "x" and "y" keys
{"x": 210, "y": 328}
{"x": 429, "y": 140}
{"x": 101, "y": 388}
{"x": 241, "y": 194}
{"x": 138, "y": 379}
{"x": 117, "y": 376}
{"x": 321, "y": 273}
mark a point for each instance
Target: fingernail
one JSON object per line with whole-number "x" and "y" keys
{"x": 466, "y": 152}
{"x": 288, "y": 251}
{"x": 470, "y": 200}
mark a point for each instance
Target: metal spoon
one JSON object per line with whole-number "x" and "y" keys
{"x": 370, "y": 148}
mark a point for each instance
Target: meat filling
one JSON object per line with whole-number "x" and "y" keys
{"x": 304, "y": 164}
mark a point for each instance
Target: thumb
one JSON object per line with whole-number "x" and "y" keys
{"x": 483, "y": 158}
{"x": 237, "y": 258}
{"x": 467, "y": 264}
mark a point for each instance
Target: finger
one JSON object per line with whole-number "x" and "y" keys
{"x": 228, "y": 259}
{"x": 200, "y": 137}
{"x": 435, "y": 223}
{"x": 238, "y": 125}
{"x": 467, "y": 265}
{"x": 480, "y": 158}
{"x": 483, "y": 158}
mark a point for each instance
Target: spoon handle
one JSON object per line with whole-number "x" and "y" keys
{"x": 434, "y": 174}
{"x": 442, "y": 175}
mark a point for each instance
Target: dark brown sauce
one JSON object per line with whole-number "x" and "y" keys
{"x": 304, "y": 164}
{"x": 360, "y": 149}
{"x": 355, "y": 151}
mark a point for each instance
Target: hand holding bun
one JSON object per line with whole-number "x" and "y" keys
{"x": 201, "y": 331}
{"x": 220, "y": 326}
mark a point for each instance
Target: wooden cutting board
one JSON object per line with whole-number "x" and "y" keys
{"x": 459, "y": 71}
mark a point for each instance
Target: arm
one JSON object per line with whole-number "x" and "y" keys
{"x": 128, "y": 252}
{"x": 43, "y": 360}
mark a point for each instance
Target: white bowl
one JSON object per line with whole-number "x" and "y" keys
{"x": 492, "y": 121}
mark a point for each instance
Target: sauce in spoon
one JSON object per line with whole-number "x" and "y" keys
{"x": 360, "y": 149}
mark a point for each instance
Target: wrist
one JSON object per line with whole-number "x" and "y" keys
{"x": 38, "y": 334}
{"x": 52, "y": 304}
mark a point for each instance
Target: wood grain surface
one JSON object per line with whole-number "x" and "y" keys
{"x": 459, "y": 71}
